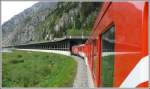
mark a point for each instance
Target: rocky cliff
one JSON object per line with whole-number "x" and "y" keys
{"x": 47, "y": 20}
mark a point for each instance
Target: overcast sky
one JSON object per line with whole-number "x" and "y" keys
{"x": 11, "y": 8}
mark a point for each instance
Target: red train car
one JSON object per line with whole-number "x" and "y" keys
{"x": 117, "y": 49}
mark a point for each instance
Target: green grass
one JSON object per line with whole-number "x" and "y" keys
{"x": 107, "y": 71}
{"x": 37, "y": 69}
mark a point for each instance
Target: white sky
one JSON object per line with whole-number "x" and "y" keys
{"x": 11, "y": 8}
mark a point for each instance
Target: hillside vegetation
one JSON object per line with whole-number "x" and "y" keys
{"x": 37, "y": 69}
{"x": 69, "y": 18}
{"x": 48, "y": 20}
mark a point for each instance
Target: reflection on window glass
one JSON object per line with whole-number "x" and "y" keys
{"x": 108, "y": 57}
{"x": 108, "y": 40}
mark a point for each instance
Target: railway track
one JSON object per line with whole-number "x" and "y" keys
{"x": 81, "y": 79}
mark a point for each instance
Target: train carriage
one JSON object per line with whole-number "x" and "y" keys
{"x": 117, "y": 49}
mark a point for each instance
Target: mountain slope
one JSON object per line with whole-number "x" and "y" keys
{"x": 47, "y": 20}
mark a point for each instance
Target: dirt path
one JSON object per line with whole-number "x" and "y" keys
{"x": 81, "y": 79}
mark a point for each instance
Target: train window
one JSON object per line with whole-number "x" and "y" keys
{"x": 107, "y": 66}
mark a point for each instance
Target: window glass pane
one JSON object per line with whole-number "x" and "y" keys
{"x": 107, "y": 57}
{"x": 108, "y": 40}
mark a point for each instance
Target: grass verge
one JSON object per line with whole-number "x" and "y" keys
{"x": 37, "y": 69}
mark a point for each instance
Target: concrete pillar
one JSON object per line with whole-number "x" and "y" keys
{"x": 49, "y": 46}
{"x": 65, "y": 46}
{"x": 68, "y": 45}
{"x": 54, "y": 47}
{"x": 39, "y": 46}
{"x": 58, "y": 46}
{"x": 46, "y": 47}
{"x": 62, "y": 46}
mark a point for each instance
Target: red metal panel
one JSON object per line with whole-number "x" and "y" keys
{"x": 145, "y": 30}
{"x": 119, "y": 13}
{"x": 128, "y": 39}
{"x": 144, "y": 84}
{"x": 98, "y": 73}
{"x": 131, "y": 37}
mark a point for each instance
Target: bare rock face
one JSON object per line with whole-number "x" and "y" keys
{"x": 47, "y": 20}
{"x": 20, "y": 28}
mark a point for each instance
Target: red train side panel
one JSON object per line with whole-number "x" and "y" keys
{"x": 120, "y": 39}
